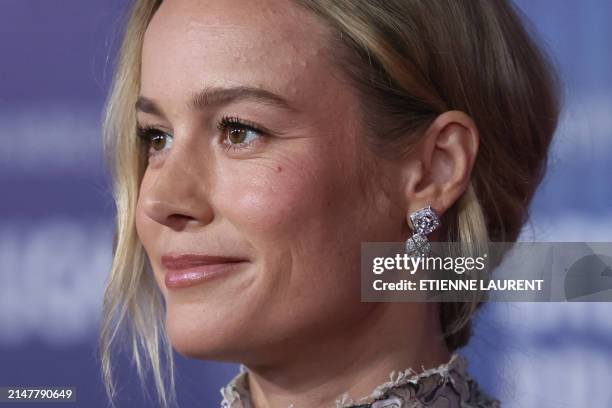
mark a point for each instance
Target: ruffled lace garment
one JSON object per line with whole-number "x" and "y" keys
{"x": 446, "y": 386}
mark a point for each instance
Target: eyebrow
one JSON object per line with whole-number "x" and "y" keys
{"x": 219, "y": 96}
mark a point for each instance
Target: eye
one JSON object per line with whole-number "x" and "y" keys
{"x": 237, "y": 133}
{"x": 155, "y": 139}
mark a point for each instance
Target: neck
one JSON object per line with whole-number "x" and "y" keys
{"x": 391, "y": 337}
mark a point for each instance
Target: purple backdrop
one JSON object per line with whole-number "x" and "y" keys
{"x": 55, "y": 235}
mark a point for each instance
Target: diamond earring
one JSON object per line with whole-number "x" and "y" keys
{"x": 422, "y": 222}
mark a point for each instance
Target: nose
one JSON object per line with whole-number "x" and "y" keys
{"x": 177, "y": 193}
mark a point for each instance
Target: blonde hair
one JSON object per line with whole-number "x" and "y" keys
{"x": 410, "y": 61}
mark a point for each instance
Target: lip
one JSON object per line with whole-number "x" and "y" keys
{"x": 187, "y": 270}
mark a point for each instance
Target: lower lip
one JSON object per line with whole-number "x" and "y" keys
{"x": 183, "y": 278}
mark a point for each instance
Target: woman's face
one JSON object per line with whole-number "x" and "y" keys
{"x": 293, "y": 202}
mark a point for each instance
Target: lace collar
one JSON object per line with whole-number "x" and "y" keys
{"x": 448, "y": 385}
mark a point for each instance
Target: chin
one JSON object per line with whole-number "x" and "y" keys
{"x": 204, "y": 337}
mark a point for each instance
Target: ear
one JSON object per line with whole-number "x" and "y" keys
{"x": 437, "y": 172}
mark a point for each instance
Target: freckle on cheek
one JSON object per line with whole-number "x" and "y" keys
{"x": 278, "y": 169}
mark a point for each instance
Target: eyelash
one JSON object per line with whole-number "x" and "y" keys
{"x": 146, "y": 133}
{"x": 237, "y": 122}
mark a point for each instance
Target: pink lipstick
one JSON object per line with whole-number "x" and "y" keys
{"x": 187, "y": 270}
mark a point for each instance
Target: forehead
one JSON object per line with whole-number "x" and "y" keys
{"x": 274, "y": 44}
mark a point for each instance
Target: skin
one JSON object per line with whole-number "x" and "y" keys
{"x": 296, "y": 204}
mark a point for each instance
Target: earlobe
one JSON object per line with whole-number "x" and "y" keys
{"x": 447, "y": 154}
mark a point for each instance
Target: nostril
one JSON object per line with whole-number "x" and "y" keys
{"x": 165, "y": 213}
{"x": 178, "y": 221}
{"x": 177, "y": 214}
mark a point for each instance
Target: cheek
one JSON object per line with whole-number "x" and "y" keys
{"x": 279, "y": 198}
{"x": 301, "y": 216}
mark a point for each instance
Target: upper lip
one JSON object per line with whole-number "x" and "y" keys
{"x": 183, "y": 261}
